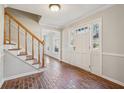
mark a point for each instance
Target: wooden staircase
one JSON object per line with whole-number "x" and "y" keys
{"x": 23, "y": 51}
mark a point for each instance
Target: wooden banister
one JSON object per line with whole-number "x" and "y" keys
{"x": 25, "y": 28}
{"x": 26, "y": 31}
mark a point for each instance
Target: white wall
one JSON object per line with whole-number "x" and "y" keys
{"x": 28, "y": 20}
{"x": 13, "y": 66}
{"x": 112, "y": 42}
{"x": 1, "y": 42}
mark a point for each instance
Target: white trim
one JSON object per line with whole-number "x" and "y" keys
{"x": 23, "y": 74}
{"x": 65, "y": 61}
{"x": 113, "y": 54}
{"x": 113, "y": 80}
{"x": 110, "y": 79}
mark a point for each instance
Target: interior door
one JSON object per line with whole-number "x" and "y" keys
{"x": 82, "y": 48}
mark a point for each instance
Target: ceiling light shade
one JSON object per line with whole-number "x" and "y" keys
{"x": 54, "y": 7}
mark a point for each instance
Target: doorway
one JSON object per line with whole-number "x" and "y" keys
{"x": 86, "y": 45}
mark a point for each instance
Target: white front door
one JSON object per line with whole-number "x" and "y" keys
{"x": 82, "y": 48}
{"x": 86, "y": 50}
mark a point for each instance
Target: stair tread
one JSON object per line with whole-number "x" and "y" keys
{"x": 7, "y": 42}
{"x": 36, "y": 66}
{"x": 29, "y": 57}
{"x": 31, "y": 61}
{"x": 22, "y": 54}
{"x": 23, "y": 58}
{"x": 10, "y": 44}
{"x": 15, "y": 53}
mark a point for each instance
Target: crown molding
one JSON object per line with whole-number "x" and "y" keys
{"x": 79, "y": 18}
{"x": 87, "y": 15}
{"x": 73, "y": 21}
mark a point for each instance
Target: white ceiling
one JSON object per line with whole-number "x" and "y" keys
{"x": 67, "y": 14}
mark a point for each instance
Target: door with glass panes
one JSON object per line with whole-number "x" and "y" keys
{"x": 87, "y": 47}
{"x": 82, "y": 47}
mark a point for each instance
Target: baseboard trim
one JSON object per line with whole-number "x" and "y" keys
{"x": 100, "y": 75}
{"x": 22, "y": 75}
{"x": 109, "y": 79}
{"x": 112, "y": 80}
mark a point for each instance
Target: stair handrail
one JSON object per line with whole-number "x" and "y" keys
{"x": 21, "y": 24}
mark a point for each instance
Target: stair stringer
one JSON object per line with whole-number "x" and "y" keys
{"x": 14, "y": 67}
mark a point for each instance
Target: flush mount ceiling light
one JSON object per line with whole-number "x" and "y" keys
{"x": 54, "y": 7}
